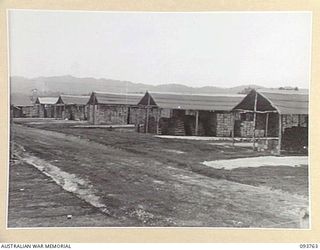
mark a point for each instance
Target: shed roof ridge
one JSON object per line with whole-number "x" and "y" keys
{"x": 114, "y": 93}
{"x": 81, "y": 96}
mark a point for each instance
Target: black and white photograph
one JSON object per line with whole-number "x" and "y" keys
{"x": 123, "y": 119}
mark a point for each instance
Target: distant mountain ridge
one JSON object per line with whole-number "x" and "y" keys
{"x": 73, "y": 85}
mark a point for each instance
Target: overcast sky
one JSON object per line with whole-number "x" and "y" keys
{"x": 195, "y": 49}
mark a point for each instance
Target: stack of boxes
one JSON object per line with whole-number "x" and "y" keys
{"x": 289, "y": 121}
{"x": 246, "y": 129}
{"x": 224, "y": 124}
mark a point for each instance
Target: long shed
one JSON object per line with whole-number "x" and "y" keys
{"x": 279, "y": 115}
{"x": 111, "y": 108}
{"x": 181, "y": 114}
{"x": 71, "y": 107}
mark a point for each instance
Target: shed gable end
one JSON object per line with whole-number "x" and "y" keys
{"x": 263, "y": 104}
{"x": 146, "y": 101}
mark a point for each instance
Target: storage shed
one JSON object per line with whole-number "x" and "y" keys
{"x": 71, "y": 107}
{"x": 111, "y": 108}
{"x": 276, "y": 120}
{"x": 180, "y": 114}
{"x": 44, "y": 106}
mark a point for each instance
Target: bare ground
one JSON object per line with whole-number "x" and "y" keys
{"x": 39, "y": 202}
{"x": 188, "y": 154}
{"x": 142, "y": 185}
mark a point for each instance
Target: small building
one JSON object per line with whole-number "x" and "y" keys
{"x": 44, "y": 107}
{"x": 71, "y": 107}
{"x": 180, "y": 114}
{"x": 21, "y": 106}
{"x": 275, "y": 120}
{"x": 111, "y": 108}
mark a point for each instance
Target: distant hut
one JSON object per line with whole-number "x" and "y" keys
{"x": 180, "y": 114}
{"x": 111, "y": 108}
{"x": 21, "y": 106}
{"x": 276, "y": 120}
{"x": 44, "y": 106}
{"x": 71, "y": 107}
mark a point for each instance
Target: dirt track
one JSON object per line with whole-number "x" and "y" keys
{"x": 142, "y": 190}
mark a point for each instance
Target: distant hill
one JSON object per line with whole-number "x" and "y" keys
{"x": 72, "y": 85}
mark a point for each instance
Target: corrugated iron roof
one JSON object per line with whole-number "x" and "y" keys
{"x": 284, "y": 102}
{"x": 20, "y": 100}
{"x": 46, "y": 100}
{"x": 193, "y": 102}
{"x": 73, "y": 99}
{"x": 116, "y": 98}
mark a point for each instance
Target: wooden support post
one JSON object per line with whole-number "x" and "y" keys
{"x": 280, "y": 134}
{"x": 94, "y": 110}
{"x": 267, "y": 124}
{"x": 233, "y": 123}
{"x": 158, "y": 118}
{"x": 254, "y": 121}
{"x": 197, "y": 123}
{"x": 128, "y": 114}
{"x": 64, "y": 112}
{"x": 95, "y": 107}
{"x": 147, "y": 118}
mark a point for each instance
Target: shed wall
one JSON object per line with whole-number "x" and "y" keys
{"x": 138, "y": 116}
{"x": 224, "y": 124}
{"x": 75, "y": 112}
{"x": 108, "y": 114}
{"x": 44, "y": 110}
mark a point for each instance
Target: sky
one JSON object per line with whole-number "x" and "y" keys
{"x": 196, "y": 49}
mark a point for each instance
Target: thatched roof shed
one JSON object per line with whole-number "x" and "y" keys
{"x": 285, "y": 112}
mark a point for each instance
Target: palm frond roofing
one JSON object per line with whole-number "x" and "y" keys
{"x": 192, "y": 102}
{"x": 47, "y": 100}
{"x": 295, "y": 103}
{"x": 115, "y": 98}
{"x": 287, "y": 102}
{"x": 20, "y": 101}
{"x": 73, "y": 99}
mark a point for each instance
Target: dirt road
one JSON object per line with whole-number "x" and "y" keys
{"x": 136, "y": 190}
